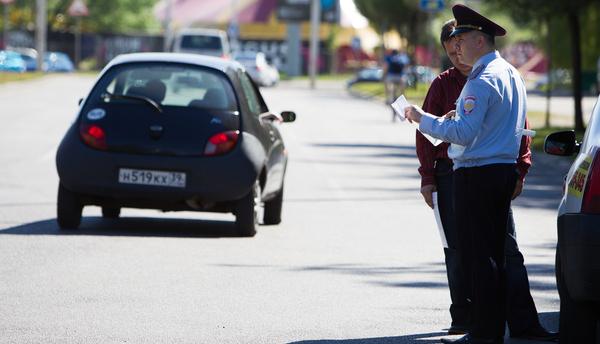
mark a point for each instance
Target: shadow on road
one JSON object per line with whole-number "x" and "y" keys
{"x": 543, "y": 183}
{"x": 432, "y": 337}
{"x": 548, "y": 319}
{"x": 422, "y": 276}
{"x": 372, "y": 154}
{"x": 131, "y": 226}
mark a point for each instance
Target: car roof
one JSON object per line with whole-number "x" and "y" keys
{"x": 248, "y": 54}
{"x": 201, "y": 31}
{"x": 194, "y": 59}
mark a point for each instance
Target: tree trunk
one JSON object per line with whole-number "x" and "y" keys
{"x": 574, "y": 28}
{"x": 549, "y": 72}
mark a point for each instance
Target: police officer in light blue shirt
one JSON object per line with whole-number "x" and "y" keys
{"x": 492, "y": 107}
{"x": 485, "y": 135}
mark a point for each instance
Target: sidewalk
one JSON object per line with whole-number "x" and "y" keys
{"x": 562, "y": 108}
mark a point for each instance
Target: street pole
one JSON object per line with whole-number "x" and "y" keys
{"x": 167, "y": 25}
{"x": 294, "y": 52}
{"x": 40, "y": 31}
{"x": 6, "y": 3}
{"x": 78, "y": 42}
{"x": 5, "y": 30}
{"x": 315, "y": 19}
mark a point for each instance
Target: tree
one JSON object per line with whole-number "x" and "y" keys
{"x": 552, "y": 12}
{"x": 403, "y": 16}
{"x": 115, "y": 16}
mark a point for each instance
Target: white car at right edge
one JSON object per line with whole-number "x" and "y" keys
{"x": 578, "y": 249}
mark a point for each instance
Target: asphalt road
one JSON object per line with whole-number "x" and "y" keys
{"x": 357, "y": 258}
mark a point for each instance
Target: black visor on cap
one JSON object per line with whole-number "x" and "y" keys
{"x": 464, "y": 28}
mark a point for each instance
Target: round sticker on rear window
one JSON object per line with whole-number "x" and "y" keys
{"x": 96, "y": 114}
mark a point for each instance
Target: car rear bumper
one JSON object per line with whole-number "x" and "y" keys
{"x": 94, "y": 175}
{"x": 579, "y": 247}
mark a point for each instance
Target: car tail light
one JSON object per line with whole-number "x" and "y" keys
{"x": 93, "y": 135}
{"x": 221, "y": 143}
{"x": 591, "y": 195}
{"x": 258, "y": 68}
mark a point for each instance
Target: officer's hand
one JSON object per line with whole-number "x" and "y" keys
{"x": 450, "y": 114}
{"x": 413, "y": 113}
{"x": 518, "y": 189}
{"x": 427, "y": 192}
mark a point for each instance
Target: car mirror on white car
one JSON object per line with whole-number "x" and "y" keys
{"x": 561, "y": 143}
{"x": 288, "y": 116}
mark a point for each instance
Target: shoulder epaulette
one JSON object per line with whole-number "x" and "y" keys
{"x": 475, "y": 72}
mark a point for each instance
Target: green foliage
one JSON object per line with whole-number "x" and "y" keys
{"x": 114, "y": 16}
{"x": 404, "y": 16}
{"x": 536, "y": 14}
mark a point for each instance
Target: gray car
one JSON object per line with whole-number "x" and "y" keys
{"x": 174, "y": 132}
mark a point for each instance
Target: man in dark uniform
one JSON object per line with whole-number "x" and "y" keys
{"x": 436, "y": 176}
{"x": 485, "y": 137}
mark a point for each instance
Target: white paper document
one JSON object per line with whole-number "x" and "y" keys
{"x": 399, "y": 105}
{"x": 438, "y": 220}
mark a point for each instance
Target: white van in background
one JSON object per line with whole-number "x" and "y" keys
{"x": 210, "y": 42}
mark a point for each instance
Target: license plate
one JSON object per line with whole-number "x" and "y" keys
{"x": 149, "y": 177}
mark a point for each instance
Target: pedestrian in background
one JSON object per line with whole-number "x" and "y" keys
{"x": 437, "y": 176}
{"x": 394, "y": 76}
{"x": 485, "y": 138}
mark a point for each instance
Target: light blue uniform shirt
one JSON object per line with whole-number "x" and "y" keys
{"x": 491, "y": 113}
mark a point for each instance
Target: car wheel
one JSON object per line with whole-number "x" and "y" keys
{"x": 68, "y": 209}
{"x": 273, "y": 208}
{"x": 246, "y": 212}
{"x": 111, "y": 212}
{"x": 578, "y": 320}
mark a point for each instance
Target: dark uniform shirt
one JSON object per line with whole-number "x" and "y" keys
{"x": 441, "y": 98}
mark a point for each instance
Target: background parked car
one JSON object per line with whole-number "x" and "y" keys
{"x": 257, "y": 66}
{"x": 174, "y": 132}
{"x": 29, "y": 55}
{"x": 11, "y": 61}
{"x": 578, "y": 249}
{"x": 371, "y": 74}
{"x": 57, "y": 62}
{"x": 202, "y": 41}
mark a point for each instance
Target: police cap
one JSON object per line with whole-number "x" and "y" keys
{"x": 469, "y": 20}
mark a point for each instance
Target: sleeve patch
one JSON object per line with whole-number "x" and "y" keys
{"x": 469, "y": 104}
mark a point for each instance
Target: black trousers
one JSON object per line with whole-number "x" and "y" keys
{"x": 521, "y": 312}
{"x": 475, "y": 259}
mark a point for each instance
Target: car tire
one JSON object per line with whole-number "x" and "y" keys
{"x": 272, "y": 215}
{"x": 68, "y": 209}
{"x": 111, "y": 212}
{"x": 246, "y": 212}
{"x": 577, "y": 320}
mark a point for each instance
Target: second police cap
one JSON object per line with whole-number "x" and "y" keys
{"x": 469, "y": 20}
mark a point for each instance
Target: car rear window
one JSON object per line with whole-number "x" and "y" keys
{"x": 198, "y": 42}
{"x": 592, "y": 136}
{"x": 170, "y": 85}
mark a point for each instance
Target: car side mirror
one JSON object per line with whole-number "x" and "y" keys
{"x": 288, "y": 116}
{"x": 561, "y": 143}
{"x": 79, "y": 101}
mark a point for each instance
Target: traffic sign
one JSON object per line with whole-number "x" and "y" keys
{"x": 299, "y": 10}
{"x": 78, "y": 9}
{"x": 432, "y": 5}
